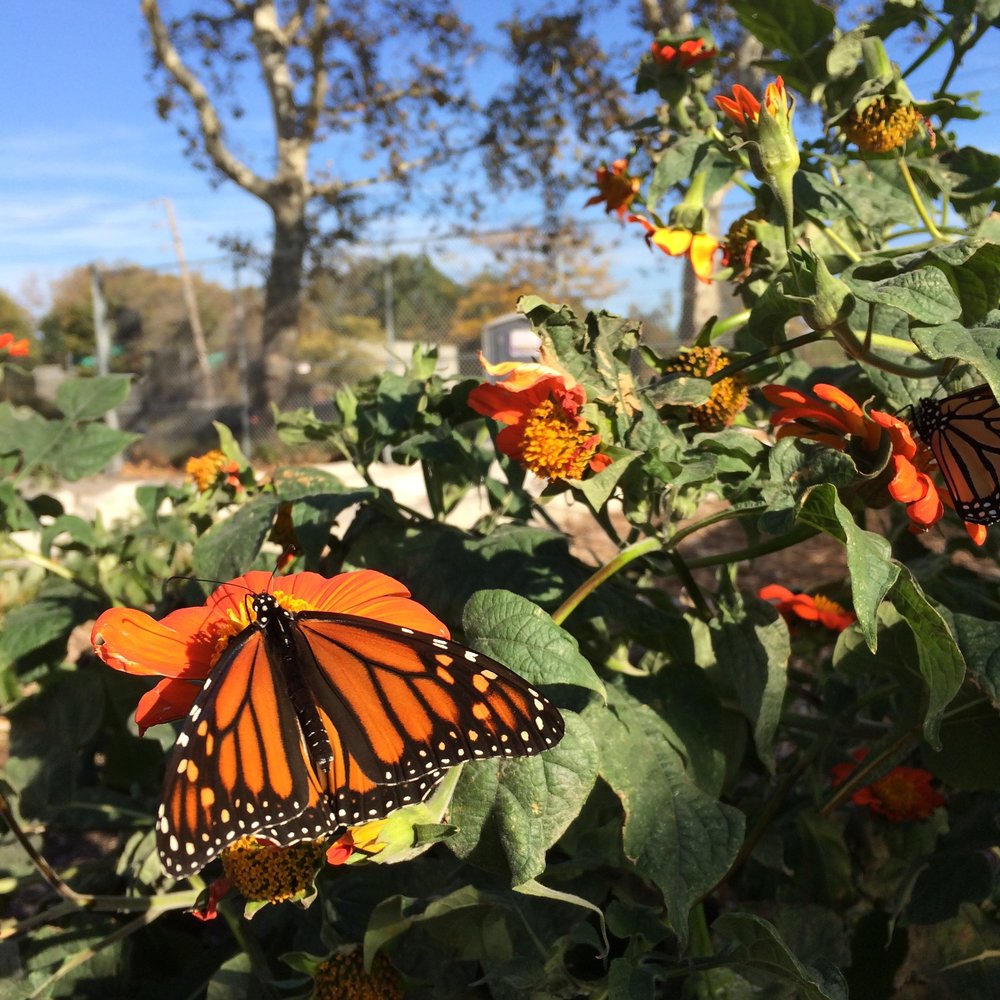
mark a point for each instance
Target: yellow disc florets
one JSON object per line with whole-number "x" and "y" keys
{"x": 554, "y": 445}
{"x": 883, "y": 125}
{"x": 265, "y": 872}
{"x": 729, "y": 395}
{"x": 343, "y": 977}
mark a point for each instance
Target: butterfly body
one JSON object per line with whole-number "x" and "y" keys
{"x": 312, "y": 721}
{"x": 963, "y": 432}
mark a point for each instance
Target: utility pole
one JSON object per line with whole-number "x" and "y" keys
{"x": 390, "y": 315}
{"x": 242, "y": 363}
{"x": 102, "y": 349}
{"x": 194, "y": 319}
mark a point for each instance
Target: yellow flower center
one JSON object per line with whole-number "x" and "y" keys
{"x": 555, "y": 445}
{"x": 885, "y": 124}
{"x": 729, "y": 395}
{"x": 343, "y": 977}
{"x": 825, "y": 604}
{"x": 265, "y": 872}
{"x": 901, "y": 797}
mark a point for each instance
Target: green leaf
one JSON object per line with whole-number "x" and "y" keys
{"x": 528, "y": 802}
{"x": 792, "y": 27}
{"x": 680, "y": 839}
{"x": 89, "y": 398}
{"x": 85, "y": 451}
{"x": 756, "y": 944}
{"x": 229, "y": 547}
{"x": 941, "y": 662}
{"x": 676, "y": 389}
{"x": 925, "y": 294}
{"x": 979, "y": 641}
{"x": 978, "y": 346}
{"x": 597, "y": 489}
{"x": 32, "y": 626}
{"x": 752, "y": 648}
{"x": 79, "y": 531}
{"x": 523, "y": 637}
{"x": 872, "y": 569}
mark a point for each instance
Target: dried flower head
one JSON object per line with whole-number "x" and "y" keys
{"x": 882, "y": 125}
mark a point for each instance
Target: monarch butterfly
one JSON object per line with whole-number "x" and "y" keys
{"x": 316, "y": 720}
{"x": 963, "y": 432}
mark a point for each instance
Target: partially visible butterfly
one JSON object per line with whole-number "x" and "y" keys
{"x": 963, "y": 432}
{"x": 313, "y": 721}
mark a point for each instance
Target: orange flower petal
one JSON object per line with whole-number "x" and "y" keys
{"x": 703, "y": 250}
{"x": 135, "y": 643}
{"x": 775, "y": 592}
{"x": 977, "y": 532}
{"x": 784, "y": 395}
{"x": 675, "y": 242}
{"x": 906, "y": 484}
{"x": 366, "y": 593}
{"x": 170, "y": 699}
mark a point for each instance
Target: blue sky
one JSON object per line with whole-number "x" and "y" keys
{"x": 85, "y": 162}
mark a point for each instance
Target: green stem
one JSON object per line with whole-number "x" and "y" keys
{"x": 775, "y": 350}
{"x": 47, "y": 564}
{"x": 848, "y": 340}
{"x": 606, "y": 571}
{"x": 690, "y": 585}
{"x": 918, "y": 202}
{"x": 845, "y": 248}
{"x": 798, "y": 534}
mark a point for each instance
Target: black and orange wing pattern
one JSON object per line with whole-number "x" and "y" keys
{"x": 314, "y": 721}
{"x": 963, "y": 432}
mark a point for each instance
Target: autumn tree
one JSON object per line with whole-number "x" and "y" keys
{"x": 373, "y": 88}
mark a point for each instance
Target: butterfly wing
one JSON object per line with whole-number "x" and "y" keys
{"x": 403, "y": 706}
{"x": 239, "y": 766}
{"x": 963, "y": 432}
{"x": 318, "y": 720}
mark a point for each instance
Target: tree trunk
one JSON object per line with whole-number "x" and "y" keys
{"x": 271, "y": 370}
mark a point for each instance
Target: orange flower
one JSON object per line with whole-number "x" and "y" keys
{"x": 810, "y": 608}
{"x": 904, "y": 793}
{"x": 616, "y": 189}
{"x": 541, "y": 407}
{"x": 689, "y": 53}
{"x": 831, "y": 417}
{"x": 699, "y": 248}
{"x": 14, "y": 348}
{"x": 185, "y": 645}
{"x": 204, "y": 470}
{"x": 744, "y": 109}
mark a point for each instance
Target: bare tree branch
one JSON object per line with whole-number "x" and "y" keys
{"x": 208, "y": 119}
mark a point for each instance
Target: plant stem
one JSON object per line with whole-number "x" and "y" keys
{"x": 609, "y": 569}
{"x": 918, "y": 202}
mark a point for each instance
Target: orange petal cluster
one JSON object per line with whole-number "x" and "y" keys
{"x": 14, "y": 348}
{"x": 744, "y": 109}
{"x": 808, "y": 607}
{"x": 545, "y": 431}
{"x": 903, "y": 794}
{"x": 616, "y": 189}
{"x": 699, "y": 248}
{"x": 833, "y": 418}
{"x": 681, "y": 57}
{"x": 205, "y": 470}
{"x": 183, "y": 647}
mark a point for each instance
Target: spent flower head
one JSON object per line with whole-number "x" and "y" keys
{"x": 729, "y": 395}
{"x": 616, "y": 188}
